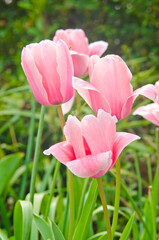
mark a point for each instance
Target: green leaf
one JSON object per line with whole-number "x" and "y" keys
{"x": 57, "y": 233}
{"x": 86, "y": 215}
{"x": 22, "y": 220}
{"x": 44, "y": 228}
{"x": 8, "y": 165}
{"x": 155, "y": 191}
{"x": 127, "y": 229}
{"x": 38, "y": 199}
{"x": 3, "y": 234}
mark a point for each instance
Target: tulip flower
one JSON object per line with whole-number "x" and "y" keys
{"x": 150, "y": 111}
{"x": 49, "y": 70}
{"x": 80, "y": 49}
{"x": 92, "y": 146}
{"x": 109, "y": 88}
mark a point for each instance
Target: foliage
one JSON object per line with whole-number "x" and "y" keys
{"x": 129, "y": 27}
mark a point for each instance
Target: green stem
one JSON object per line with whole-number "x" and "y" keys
{"x": 70, "y": 181}
{"x": 28, "y": 151}
{"x": 47, "y": 175}
{"x": 52, "y": 189}
{"x": 139, "y": 179}
{"x": 105, "y": 209}
{"x": 152, "y": 213}
{"x": 117, "y": 197}
{"x": 82, "y": 198}
{"x": 36, "y": 154}
{"x": 149, "y": 168}
{"x": 71, "y": 198}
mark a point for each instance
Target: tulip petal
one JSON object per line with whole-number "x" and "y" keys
{"x": 61, "y": 34}
{"x": 111, "y": 77}
{"x": 80, "y": 63}
{"x": 63, "y": 151}
{"x": 65, "y": 70}
{"x": 92, "y": 61}
{"x": 122, "y": 140}
{"x": 91, "y": 95}
{"x": 97, "y": 48}
{"x": 149, "y": 112}
{"x": 73, "y": 134}
{"x": 90, "y": 165}
{"x": 79, "y": 41}
{"x": 148, "y": 91}
{"x": 66, "y": 107}
{"x": 34, "y": 77}
{"x": 44, "y": 55}
{"x": 100, "y": 132}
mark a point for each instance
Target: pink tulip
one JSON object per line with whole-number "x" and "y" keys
{"x": 109, "y": 88}
{"x": 92, "y": 146}
{"x": 49, "y": 70}
{"x": 150, "y": 111}
{"x": 81, "y": 50}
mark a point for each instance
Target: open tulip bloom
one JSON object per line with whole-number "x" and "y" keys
{"x": 80, "y": 49}
{"x": 150, "y": 111}
{"x": 49, "y": 70}
{"x": 109, "y": 88}
{"x": 92, "y": 146}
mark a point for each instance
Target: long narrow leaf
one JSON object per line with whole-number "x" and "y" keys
{"x": 86, "y": 215}
{"x": 8, "y": 165}
{"x": 127, "y": 229}
{"x": 44, "y": 228}
{"x": 57, "y": 233}
{"x": 22, "y": 220}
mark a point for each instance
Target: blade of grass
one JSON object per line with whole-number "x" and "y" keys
{"x": 140, "y": 215}
{"x": 29, "y": 150}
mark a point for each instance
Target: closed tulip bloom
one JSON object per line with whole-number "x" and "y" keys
{"x": 92, "y": 146}
{"x": 150, "y": 111}
{"x": 49, "y": 70}
{"x": 110, "y": 88}
{"x": 80, "y": 49}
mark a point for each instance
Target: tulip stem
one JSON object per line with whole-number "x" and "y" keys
{"x": 36, "y": 154}
{"x": 28, "y": 150}
{"x": 117, "y": 197}
{"x": 105, "y": 209}
{"x": 70, "y": 181}
{"x": 52, "y": 189}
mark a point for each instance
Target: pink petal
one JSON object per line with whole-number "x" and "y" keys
{"x": 122, "y": 140}
{"x": 99, "y": 132}
{"x": 33, "y": 76}
{"x": 157, "y": 89}
{"x": 66, "y": 107}
{"x": 92, "y": 61}
{"x": 65, "y": 70}
{"x": 44, "y": 55}
{"x": 91, "y": 95}
{"x": 97, "y": 48}
{"x": 149, "y": 112}
{"x": 90, "y": 165}
{"x": 73, "y": 133}
{"x": 148, "y": 91}
{"x": 63, "y": 151}
{"x": 80, "y": 64}
{"x": 111, "y": 77}
{"x": 61, "y": 34}
{"x": 78, "y": 41}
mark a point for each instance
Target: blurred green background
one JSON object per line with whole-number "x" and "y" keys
{"x": 130, "y": 27}
{"x": 132, "y": 30}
